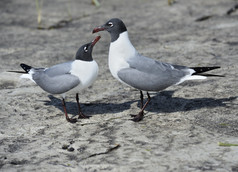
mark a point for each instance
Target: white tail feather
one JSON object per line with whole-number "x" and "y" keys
{"x": 27, "y": 76}
{"x": 191, "y": 77}
{"x": 196, "y": 77}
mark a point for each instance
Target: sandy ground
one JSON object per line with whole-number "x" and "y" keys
{"x": 183, "y": 124}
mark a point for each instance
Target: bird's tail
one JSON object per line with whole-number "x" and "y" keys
{"x": 200, "y": 71}
{"x": 25, "y": 67}
{"x": 26, "y": 73}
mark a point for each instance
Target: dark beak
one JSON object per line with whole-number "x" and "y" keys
{"x": 95, "y": 40}
{"x": 98, "y": 29}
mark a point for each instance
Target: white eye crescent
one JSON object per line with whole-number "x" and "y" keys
{"x": 110, "y": 24}
{"x": 85, "y": 49}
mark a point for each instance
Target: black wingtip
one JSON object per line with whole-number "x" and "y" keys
{"x": 25, "y": 67}
{"x": 204, "y": 69}
{"x": 201, "y": 70}
{"x": 211, "y": 75}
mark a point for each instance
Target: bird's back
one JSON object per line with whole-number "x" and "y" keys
{"x": 150, "y": 75}
{"x": 56, "y": 79}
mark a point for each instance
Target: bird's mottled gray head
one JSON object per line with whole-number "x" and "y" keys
{"x": 84, "y": 53}
{"x": 114, "y": 26}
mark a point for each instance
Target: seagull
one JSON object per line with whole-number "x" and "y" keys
{"x": 140, "y": 72}
{"x": 67, "y": 77}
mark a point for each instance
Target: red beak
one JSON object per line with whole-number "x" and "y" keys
{"x": 95, "y": 40}
{"x": 98, "y": 29}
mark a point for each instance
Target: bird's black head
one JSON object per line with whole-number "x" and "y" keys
{"x": 114, "y": 26}
{"x": 84, "y": 53}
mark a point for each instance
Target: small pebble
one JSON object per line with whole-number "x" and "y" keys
{"x": 65, "y": 146}
{"x": 71, "y": 149}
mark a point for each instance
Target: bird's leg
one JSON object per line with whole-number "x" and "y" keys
{"x": 81, "y": 115}
{"x": 66, "y": 114}
{"x": 140, "y": 115}
{"x": 141, "y": 99}
{"x": 141, "y": 102}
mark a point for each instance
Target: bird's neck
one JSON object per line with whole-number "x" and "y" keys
{"x": 122, "y": 46}
{"x": 120, "y": 52}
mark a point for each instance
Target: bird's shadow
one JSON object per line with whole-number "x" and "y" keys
{"x": 161, "y": 102}
{"x": 92, "y": 108}
{"x": 164, "y": 102}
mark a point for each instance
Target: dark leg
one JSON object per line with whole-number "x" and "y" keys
{"x": 141, "y": 102}
{"x": 141, "y": 99}
{"x": 140, "y": 115}
{"x": 66, "y": 114}
{"x": 81, "y": 115}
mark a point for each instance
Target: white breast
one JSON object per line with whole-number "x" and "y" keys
{"x": 119, "y": 51}
{"x": 86, "y": 72}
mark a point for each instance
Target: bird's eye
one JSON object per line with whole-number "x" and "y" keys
{"x": 110, "y": 24}
{"x": 85, "y": 49}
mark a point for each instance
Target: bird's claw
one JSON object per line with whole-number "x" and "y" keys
{"x": 71, "y": 120}
{"x": 138, "y": 117}
{"x": 82, "y": 116}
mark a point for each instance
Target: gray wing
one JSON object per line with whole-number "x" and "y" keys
{"x": 59, "y": 69}
{"x": 152, "y": 66}
{"x": 151, "y": 75}
{"x": 56, "y": 79}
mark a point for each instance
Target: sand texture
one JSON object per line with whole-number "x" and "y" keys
{"x": 183, "y": 124}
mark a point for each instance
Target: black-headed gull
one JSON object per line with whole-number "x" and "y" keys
{"x": 71, "y": 76}
{"x": 140, "y": 72}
